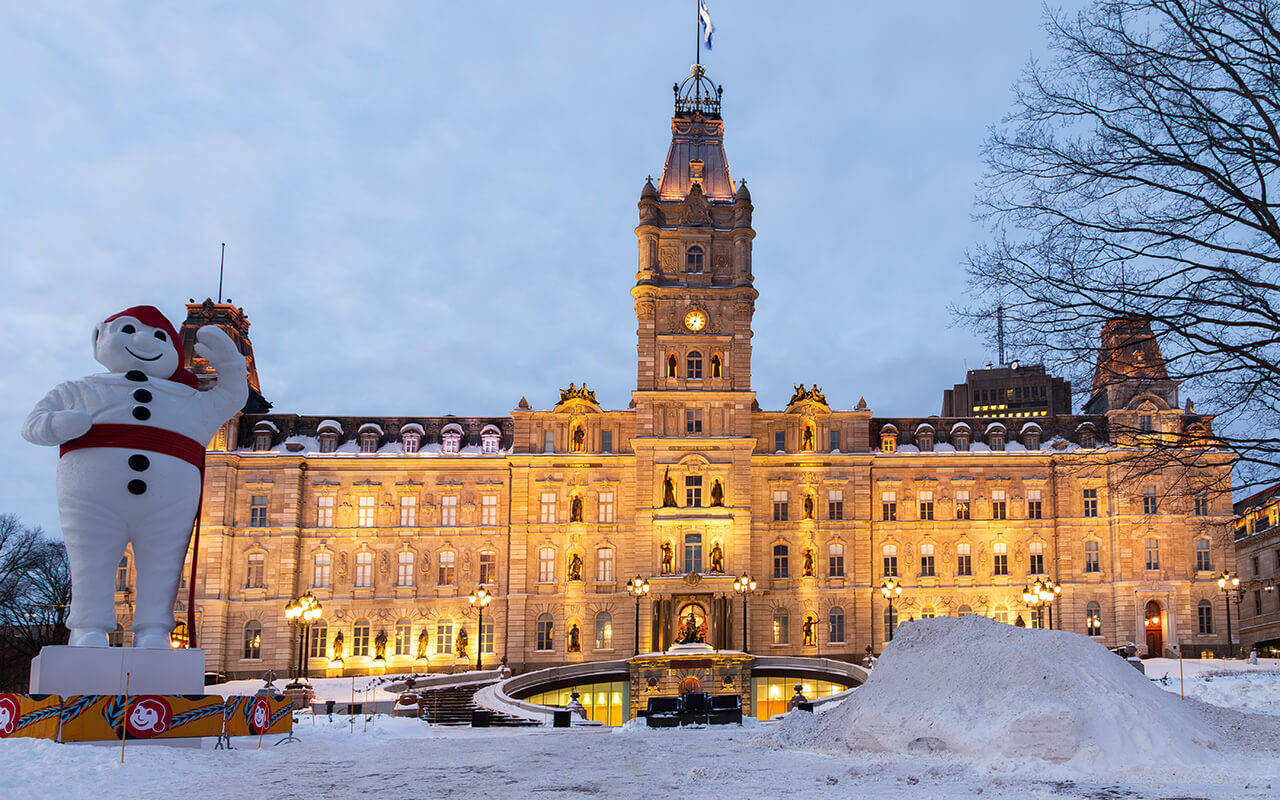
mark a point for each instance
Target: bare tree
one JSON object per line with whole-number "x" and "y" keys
{"x": 35, "y": 597}
{"x": 1136, "y": 177}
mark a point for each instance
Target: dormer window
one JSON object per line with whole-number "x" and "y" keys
{"x": 888, "y": 439}
{"x": 924, "y": 438}
{"x": 960, "y": 436}
{"x": 995, "y": 436}
{"x": 411, "y": 438}
{"x": 1031, "y": 436}
{"x": 370, "y": 434}
{"x": 694, "y": 259}
{"x": 1088, "y": 435}
{"x": 490, "y": 437}
{"x": 328, "y": 432}
{"x": 451, "y": 439}
{"x": 263, "y": 433}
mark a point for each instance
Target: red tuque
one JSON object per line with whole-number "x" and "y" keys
{"x": 150, "y": 315}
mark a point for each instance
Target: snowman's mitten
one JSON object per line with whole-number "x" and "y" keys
{"x": 68, "y": 425}
{"x": 214, "y": 344}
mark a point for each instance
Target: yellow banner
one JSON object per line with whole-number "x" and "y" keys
{"x": 31, "y": 715}
{"x": 254, "y": 716}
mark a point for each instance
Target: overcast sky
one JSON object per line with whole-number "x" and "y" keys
{"x": 429, "y": 206}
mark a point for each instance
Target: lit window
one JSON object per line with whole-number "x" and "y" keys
{"x": 964, "y": 559}
{"x": 1035, "y": 508}
{"x": 1000, "y": 559}
{"x": 408, "y": 512}
{"x": 404, "y": 571}
{"x": 889, "y": 506}
{"x": 364, "y": 570}
{"x": 780, "y": 507}
{"x": 604, "y": 565}
{"x": 255, "y": 571}
{"x": 926, "y": 561}
{"x": 889, "y": 439}
{"x": 548, "y": 507}
{"x": 1090, "y": 502}
{"x": 252, "y": 640}
{"x": 360, "y": 638}
{"x": 781, "y": 626}
{"x": 963, "y": 611}
{"x": 1001, "y": 614}
{"x": 693, "y": 491}
{"x": 258, "y": 511}
{"x": 444, "y": 636}
{"x": 1151, "y": 547}
{"x": 962, "y": 504}
{"x": 320, "y": 575}
{"x": 926, "y": 505}
{"x": 835, "y": 560}
{"x": 324, "y": 512}
{"x": 835, "y": 504}
{"x": 693, "y": 364}
{"x": 1091, "y": 561}
{"x": 486, "y": 636}
{"x": 404, "y": 636}
{"x": 604, "y": 630}
{"x": 1036, "y": 550}
{"x": 693, "y": 552}
{"x": 449, "y": 511}
{"x": 365, "y": 512}
{"x": 488, "y": 567}
{"x": 835, "y": 625}
{"x": 604, "y": 503}
{"x": 781, "y": 566}
{"x": 890, "y": 553}
{"x": 1093, "y": 619}
{"x": 1203, "y": 564}
{"x": 447, "y": 559}
{"x": 545, "y": 641}
{"x": 547, "y": 565}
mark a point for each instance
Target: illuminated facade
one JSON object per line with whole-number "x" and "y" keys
{"x": 392, "y": 522}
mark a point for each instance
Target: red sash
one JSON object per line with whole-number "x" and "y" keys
{"x": 140, "y": 437}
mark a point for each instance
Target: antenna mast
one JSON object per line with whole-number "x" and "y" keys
{"x": 221, "y": 263}
{"x": 1000, "y": 332}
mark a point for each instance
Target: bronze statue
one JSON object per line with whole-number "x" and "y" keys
{"x": 576, "y": 443}
{"x": 460, "y": 643}
{"x": 717, "y": 494}
{"x": 575, "y": 509}
{"x": 423, "y": 643}
{"x": 575, "y": 639}
{"x": 380, "y": 645}
{"x": 808, "y": 563}
{"x": 668, "y": 559}
{"x": 808, "y": 506}
{"x": 668, "y": 490}
{"x": 809, "y": 625}
{"x": 575, "y": 567}
{"x": 337, "y": 647}
{"x": 806, "y": 441}
{"x": 691, "y": 630}
{"x": 717, "y": 558}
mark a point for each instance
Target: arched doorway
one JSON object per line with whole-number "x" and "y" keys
{"x": 691, "y": 624}
{"x": 1154, "y": 618}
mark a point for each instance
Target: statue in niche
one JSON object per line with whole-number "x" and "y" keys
{"x": 577, "y": 440}
{"x": 575, "y": 508}
{"x": 672, "y": 365}
{"x": 806, "y": 440}
{"x": 668, "y": 559}
{"x": 575, "y": 638}
{"x": 423, "y": 644}
{"x": 717, "y": 558}
{"x": 810, "y": 632}
{"x": 808, "y": 563}
{"x": 808, "y": 506}
{"x": 575, "y": 567}
{"x": 460, "y": 643}
{"x": 668, "y": 490}
{"x": 380, "y": 645}
{"x": 717, "y": 493}
{"x": 337, "y": 647}
{"x": 691, "y": 630}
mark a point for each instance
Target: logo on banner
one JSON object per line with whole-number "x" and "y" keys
{"x": 260, "y": 716}
{"x": 150, "y": 716}
{"x": 8, "y": 715}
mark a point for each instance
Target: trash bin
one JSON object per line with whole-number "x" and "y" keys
{"x": 328, "y": 707}
{"x": 560, "y": 719}
{"x": 480, "y": 717}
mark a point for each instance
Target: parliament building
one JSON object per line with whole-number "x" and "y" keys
{"x": 393, "y": 522}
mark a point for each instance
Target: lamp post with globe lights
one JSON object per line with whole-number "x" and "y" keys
{"x": 744, "y": 586}
{"x": 303, "y": 612}
{"x": 1040, "y": 594}
{"x": 480, "y": 598}
{"x": 637, "y": 587}
{"x": 891, "y": 588}
{"x": 1228, "y": 582}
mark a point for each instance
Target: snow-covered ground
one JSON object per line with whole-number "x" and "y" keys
{"x": 804, "y": 756}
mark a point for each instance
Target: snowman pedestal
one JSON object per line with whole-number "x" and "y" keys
{"x": 64, "y": 670}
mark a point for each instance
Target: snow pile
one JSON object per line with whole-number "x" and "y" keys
{"x": 977, "y": 687}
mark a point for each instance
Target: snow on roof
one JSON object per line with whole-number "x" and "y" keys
{"x": 329, "y": 425}
{"x": 960, "y": 426}
{"x": 1029, "y": 426}
{"x": 266, "y": 424}
{"x": 995, "y": 426}
{"x": 924, "y": 426}
{"x": 490, "y": 429}
{"x": 411, "y": 427}
{"x": 371, "y": 426}
{"x": 452, "y": 427}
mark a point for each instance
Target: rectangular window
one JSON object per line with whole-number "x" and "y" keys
{"x": 1202, "y": 506}
{"x": 360, "y": 639}
{"x": 1151, "y": 547}
{"x": 835, "y": 563}
{"x": 693, "y": 420}
{"x": 548, "y": 507}
{"x": 693, "y": 491}
{"x": 964, "y": 559}
{"x": 606, "y": 441}
{"x": 835, "y": 504}
{"x": 835, "y": 634}
{"x": 604, "y": 565}
{"x": 1144, "y": 423}
{"x": 891, "y": 560}
{"x": 1203, "y": 564}
{"x": 1036, "y": 550}
{"x": 449, "y": 511}
{"x": 781, "y": 566}
{"x": 365, "y": 512}
{"x": 606, "y": 508}
{"x": 926, "y": 505}
{"x": 548, "y": 441}
{"x": 999, "y": 559}
{"x": 962, "y": 504}
{"x": 489, "y": 509}
{"x": 547, "y": 565}
{"x": 693, "y": 552}
{"x": 408, "y": 512}
{"x": 320, "y": 577}
{"x": 486, "y": 637}
{"x": 444, "y": 636}
{"x": 404, "y": 571}
{"x": 1035, "y": 510}
{"x": 1257, "y": 602}
{"x": 1204, "y": 618}
{"x": 255, "y": 576}
{"x": 258, "y": 511}
{"x": 324, "y": 512}
{"x": 926, "y": 561}
{"x": 446, "y": 567}
{"x": 835, "y": 448}
{"x": 779, "y": 441}
{"x": 1091, "y": 561}
{"x": 779, "y": 506}
{"x": 1091, "y": 502}
{"x": 404, "y": 635}
{"x": 1148, "y": 500}
{"x": 364, "y": 570}
{"x": 888, "y": 506}
{"x": 999, "y": 505}
{"x": 488, "y": 568}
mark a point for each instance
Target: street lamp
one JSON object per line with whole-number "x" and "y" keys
{"x": 1041, "y": 593}
{"x": 1032, "y": 597}
{"x": 1227, "y": 582}
{"x": 744, "y": 586}
{"x": 480, "y": 598}
{"x": 637, "y": 587}
{"x": 302, "y": 611}
{"x": 890, "y": 588}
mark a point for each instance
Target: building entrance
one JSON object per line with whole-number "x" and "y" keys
{"x": 1155, "y": 629}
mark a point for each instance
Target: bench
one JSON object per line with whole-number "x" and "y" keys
{"x": 694, "y": 708}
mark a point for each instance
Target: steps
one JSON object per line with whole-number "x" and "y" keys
{"x": 452, "y": 706}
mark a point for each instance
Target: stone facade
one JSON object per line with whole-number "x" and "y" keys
{"x": 1258, "y": 554}
{"x": 392, "y": 522}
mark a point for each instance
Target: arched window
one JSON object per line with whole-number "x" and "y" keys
{"x": 490, "y": 438}
{"x": 890, "y": 622}
{"x": 360, "y": 638}
{"x": 263, "y": 433}
{"x": 924, "y": 438}
{"x": 318, "y": 634}
{"x": 328, "y": 432}
{"x": 835, "y": 625}
{"x": 368, "y": 440}
{"x": 963, "y": 611}
{"x": 451, "y": 438}
{"x": 1203, "y": 563}
{"x": 673, "y": 365}
{"x": 252, "y": 640}
{"x": 888, "y": 439}
{"x": 995, "y": 436}
{"x": 404, "y": 636}
{"x": 960, "y": 436}
{"x": 717, "y": 366}
{"x": 444, "y": 636}
{"x": 1093, "y": 619}
{"x": 545, "y": 630}
{"x": 1001, "y": 614}
{"x": 781, "y": 626}
{"x": 1088, "y": 435}
{"x": 411, "y": 437}
{"x": 1031, "y": 436}
{"x": 781, "y": 567}
{"x": 604, "y": 631}
{"x": 693, "y": 364}
{"x": 693, "y": 259}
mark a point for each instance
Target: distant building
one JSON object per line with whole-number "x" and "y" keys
{"x": 1010, "y": 391}
{"x": 1258, "y": 560}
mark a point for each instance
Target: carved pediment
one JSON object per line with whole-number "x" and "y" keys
{"x": 695, "y": 210}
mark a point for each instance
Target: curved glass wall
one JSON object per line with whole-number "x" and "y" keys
{"x": 772, "y": 693}
{"x": 607, "y": 702}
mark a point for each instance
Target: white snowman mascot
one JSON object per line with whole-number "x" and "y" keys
{"x": 132, "y": 456}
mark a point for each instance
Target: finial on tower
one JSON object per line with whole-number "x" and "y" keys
{"x": 697, "y": 94}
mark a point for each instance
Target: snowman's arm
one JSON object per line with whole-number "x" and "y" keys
{"x": 231, "y": 391}
{"x": 62, "y": 415}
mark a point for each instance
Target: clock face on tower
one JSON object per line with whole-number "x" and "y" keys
{"x": 695, "y": 319}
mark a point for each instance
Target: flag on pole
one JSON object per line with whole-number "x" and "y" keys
{"x": 704, "y": 16}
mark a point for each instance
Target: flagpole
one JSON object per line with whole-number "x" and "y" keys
{"x": 697, "y": 31}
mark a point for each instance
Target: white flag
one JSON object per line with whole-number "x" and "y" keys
{"x": 704, "y": 16}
